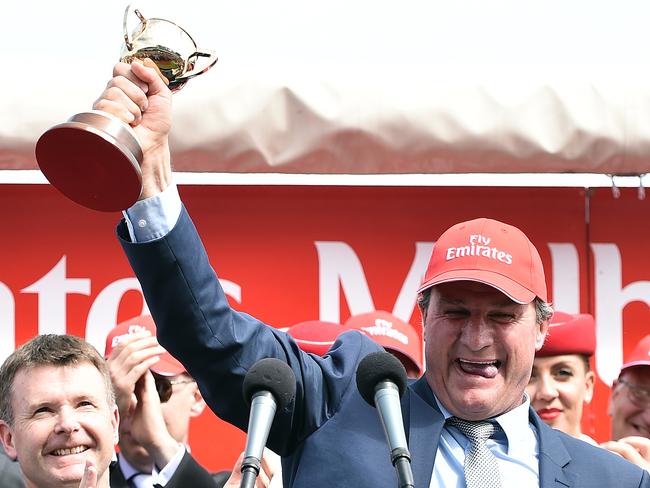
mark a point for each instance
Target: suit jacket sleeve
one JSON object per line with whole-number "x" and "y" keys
{"x": 190, "y": 473}
{"x": 218, "y": 345}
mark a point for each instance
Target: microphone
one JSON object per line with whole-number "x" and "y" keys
{"x": 381, "y": 380}
{"x": 269, "y": 385}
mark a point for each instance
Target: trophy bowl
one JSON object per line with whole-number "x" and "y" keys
{"x": 94, "y": 157}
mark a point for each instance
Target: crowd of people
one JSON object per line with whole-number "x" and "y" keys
{"x": 156, "y": 398}
{"x": 495, "y": 395}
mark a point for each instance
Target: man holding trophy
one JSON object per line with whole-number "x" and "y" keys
{"x": 482, "y": 329}
{"x": 95, "y": 157}
{"x": 481, "y": 338}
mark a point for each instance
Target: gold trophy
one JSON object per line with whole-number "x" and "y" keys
{"x": 94, "y": 158}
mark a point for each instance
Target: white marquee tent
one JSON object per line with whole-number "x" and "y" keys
{"x": 358, "y": 87}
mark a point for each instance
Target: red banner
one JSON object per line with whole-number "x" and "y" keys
{"x": 289, "y": 254}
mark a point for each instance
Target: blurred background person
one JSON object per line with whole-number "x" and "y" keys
{"x": 629, "y": 407}
{"x": 316, "y": 336}
{"x": 562, "y": 382}
{"x": 396, "y": 336}
{"x": 156, "y": 399}
{"x": 630, "y": 399}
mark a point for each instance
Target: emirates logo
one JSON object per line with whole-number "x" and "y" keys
{"x": 479, "y": 246}
{"x": 133, "y": 329}
{"x": 384, "y": 327}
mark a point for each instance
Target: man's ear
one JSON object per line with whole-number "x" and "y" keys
{"x": 7, "y": 438}
{"x": 590, "y": 379}
{"x": 424, "y": 311}
{"x": 115, "y": 423}
{"x": 541, "y": 335}
{"x": 199, "y": 404}
{"x": 423, "y": 314}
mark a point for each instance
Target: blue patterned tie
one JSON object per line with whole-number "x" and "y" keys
{"x": 481, "y": 468}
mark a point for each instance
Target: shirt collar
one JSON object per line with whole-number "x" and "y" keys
{"x": 127, "y": 470}
{"x": 514, "y": 422}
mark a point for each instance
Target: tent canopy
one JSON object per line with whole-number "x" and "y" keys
{"x": 358, "y": 87}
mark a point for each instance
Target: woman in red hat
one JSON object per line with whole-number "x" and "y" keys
{"x": 562, "y": 382}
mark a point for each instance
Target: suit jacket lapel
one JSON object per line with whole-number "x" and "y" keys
{"x": 554, "y": 459}
{"x": 424, "y": 426}
{"x": 425, "y": 422}
{"x": 116, "y": 476}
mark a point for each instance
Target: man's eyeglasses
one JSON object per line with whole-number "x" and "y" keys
{"x": 638, "y": 395}
{"x": 164, "y": 386}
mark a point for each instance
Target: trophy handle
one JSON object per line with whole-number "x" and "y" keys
{"x": 127, "y": 41}
{"x": 211, "y": 61}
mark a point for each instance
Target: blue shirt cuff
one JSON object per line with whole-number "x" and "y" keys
{"x": 154, "y": 217}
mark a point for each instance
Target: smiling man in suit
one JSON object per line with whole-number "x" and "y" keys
{"x": 485, "y": 310}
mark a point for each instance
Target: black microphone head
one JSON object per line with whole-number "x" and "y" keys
{"x": 377, "y": 367}
{"x": 274, "y": 376}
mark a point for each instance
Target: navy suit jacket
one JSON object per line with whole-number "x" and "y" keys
{"x": 188, "y": 474}
{"x": 329, "y": 436}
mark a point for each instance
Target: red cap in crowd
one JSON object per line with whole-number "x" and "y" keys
{"x": 167, "y": 365}
{"x": 640, "y": 356}
{"x": 569, "y": 334}
{"x": 316, "y": 336}
{"x": 392, "y": 333}
{"x": 490, "y": 252}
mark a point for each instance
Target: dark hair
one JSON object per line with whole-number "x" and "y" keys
{"x": 48, "y": 350}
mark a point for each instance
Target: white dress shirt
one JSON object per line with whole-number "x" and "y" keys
{"x": 516, "y": 448}
{"x": 148, "y": 480}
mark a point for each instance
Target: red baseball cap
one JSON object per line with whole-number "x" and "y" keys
{"x": 490, "y": 252}
{"x": 569, "y": 334}
{"x": 316, "y": 336}
{"x": 392, "y": 333}
{"x": 640, "y": 356}
{"x": 167, "y": 365}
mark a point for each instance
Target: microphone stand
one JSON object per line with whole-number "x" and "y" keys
{"x": 391, "y": 419}
{"x": 263, "y": 408}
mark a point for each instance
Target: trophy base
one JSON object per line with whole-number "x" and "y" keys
{"x": 94, "y": 160}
